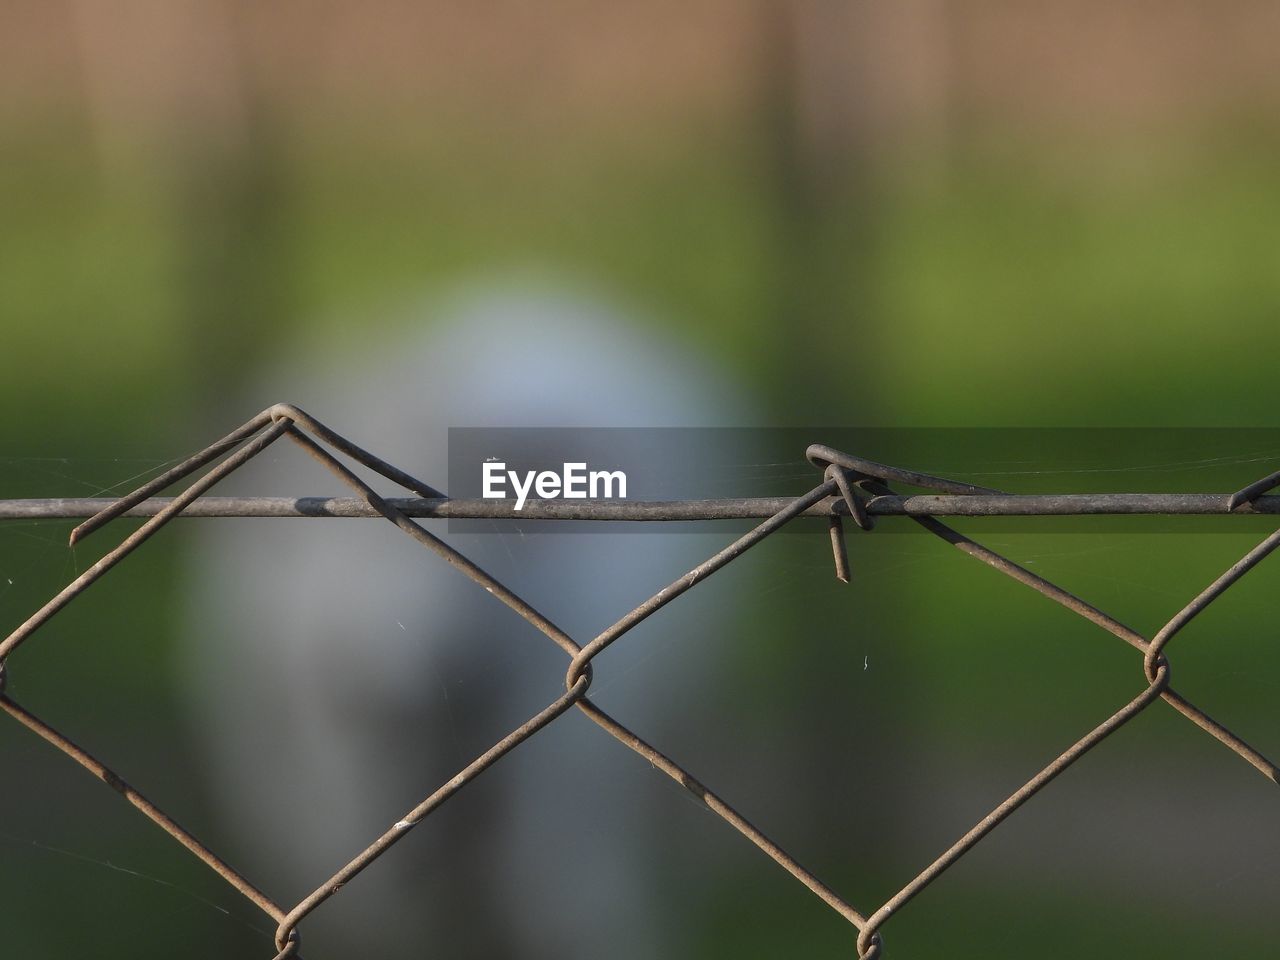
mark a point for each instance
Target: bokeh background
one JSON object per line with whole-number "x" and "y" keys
{"x": 925, "y": 213}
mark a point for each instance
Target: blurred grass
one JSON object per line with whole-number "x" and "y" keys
{"x": 1086, "y": 275}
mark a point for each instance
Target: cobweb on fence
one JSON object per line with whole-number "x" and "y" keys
{"x": 851, "y": 490}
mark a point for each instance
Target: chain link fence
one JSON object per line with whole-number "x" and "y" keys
{"x": 851, "y": 489}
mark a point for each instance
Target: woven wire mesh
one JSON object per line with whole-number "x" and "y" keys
{"x": 851, "y": 489}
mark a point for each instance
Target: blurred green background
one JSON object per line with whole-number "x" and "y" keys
{"x": 923, "y": 213}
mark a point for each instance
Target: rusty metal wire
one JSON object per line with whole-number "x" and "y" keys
{"x": 850, "y": 486}
{"x": 725, "y": 508}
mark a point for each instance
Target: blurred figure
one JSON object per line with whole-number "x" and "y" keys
{"x": 342, "y": 673}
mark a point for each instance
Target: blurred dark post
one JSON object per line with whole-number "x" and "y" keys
{"x": 180, "y": 86}
{"x": 846, "y": 87}
{"x": 843, "y": 86}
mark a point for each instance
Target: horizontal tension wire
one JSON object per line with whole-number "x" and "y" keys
{"x": 734, "y": 508}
